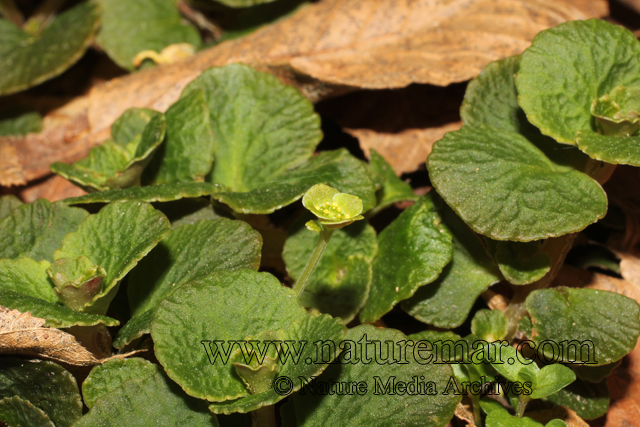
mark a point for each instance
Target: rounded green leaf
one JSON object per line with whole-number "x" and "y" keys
{"x": 55, "y": 315}
{"x": 15, "y": 411}
{"x": 115, "y": 239}
{"x": 153, "y": 193}
{"x": 261, "y": 127}
{"x": 148, "y": 402}
{"x": 606, "y": 323}
{"x": 17, "y": 121}
{"x": 29, "y": 59}
{"x": 550, "y": 379}
{"x": 27, "y": 277}
{"x": 187, "y": 153}
{"x": 375, "y": 407}
{"x": 340, "y": 283}
{"x": 222, "y": 306}
{"x": 7, "y": 204}
{"x": 112, "y": 374}
{"x": 129, "y": 28}
{"x": 392, "y": 189}
{"x": 489, "y": 325}
{"x": 505, "y": 188}
{"x": 522, "y": 263}
{"x": 337, "y": 168}
{"x": 189, "y": 252}
{"x": 610, "y": 149}
{"x": 590, "y": 401}
{"x": 412, "y": 252}
{"x": 593, "y": 58}
{"x": 321, "y": 336}
{"x": 118, "y": 163}
{"x": 446, "y": 303}
{"x": 136, "y": 327}
{"x": 47, "y": 385}
{"x": 36, "y": 230}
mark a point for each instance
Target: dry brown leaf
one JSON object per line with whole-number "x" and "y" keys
{"x": 21, "y": 333}
{"x": 326, "y": 48}
{"x": 53, "y": 188}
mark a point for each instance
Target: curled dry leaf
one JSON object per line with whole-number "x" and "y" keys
{"x": 21, "y": 333}
{"x": 326, "y": 48}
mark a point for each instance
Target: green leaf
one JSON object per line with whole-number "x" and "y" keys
{"x": 15, "y": 411}
{"x": 509, "y": 362}
{"x": 7, "y": 204}
{"x": 605, "y": 322}
{"x": 617, "y": 113}
{"x": 112, "y": 374}
{"x": 189, "y": 252}
{"x": 489, "y": 325}
{"x": 590, "y": 401}
{"x": 498, "y": 416}
{"x": 118, "y": 163}
{"x": 130, "y": 28}
{"x": 35, "y": 230}
{"x": 115, "y": 239}
{"x": 55, "y": 315}
{"x": 47, "y": 385}
{"x": 27, "y": 277}
{"x": 532, "y": 198}
{"x": 262, "y": 127}
{"x": 596, "y": 58}
{"x": 593, "y": 255}
{"x": 492, "y": 99}
{"x": 522, "y": 263}
{"x": 340, "y": 283}
{"x": 136, "y": 327}
{"x": 550, "y": 379}
{"x": 76, "y": 281}
{"x": 595, "y": 374}
{"x": 321, "y": 331}
{"x": 610, "y": 149}
{"x": 446, "y": 303}
{"x": 18, "y": 121}
{"x": 375, "y": 409}
{"x": 29, "y": 59}
{"x": 392, "y": 189}
{"x": 149, "y": 401}
{"x": 337, "y": 168}
{"x": 412, "y": 252}
{"x": 210, "y": 312}
{"x": 187, "y": 154}
{"x": 153, "y": 193}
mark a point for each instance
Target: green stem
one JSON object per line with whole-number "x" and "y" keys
{"x": 323, "y": 241}
{"x": 264, "y": 417}
{"x": 9, "y": 9}
{"x": 522, "y": 405}
{"x": 477, "y": 414}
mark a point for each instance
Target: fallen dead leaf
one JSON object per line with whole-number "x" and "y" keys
{"x": 400, "y": 124}
{"x": 327, "y": 48}
{"x": 52, "y": 188}
{"x": 21, "y": 333}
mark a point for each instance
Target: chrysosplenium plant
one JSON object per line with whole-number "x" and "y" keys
{"x": 181, "y": 241}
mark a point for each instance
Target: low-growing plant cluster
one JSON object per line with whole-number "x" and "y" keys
{"x": 183, "y": 256}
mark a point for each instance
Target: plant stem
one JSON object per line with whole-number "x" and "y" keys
{"x": 323, "y": 241}
{"x": 477, "y": 414}
{"x": 264, "y": 417}
{"x": 11, "y": 12}
{"x": 522, "y": 404}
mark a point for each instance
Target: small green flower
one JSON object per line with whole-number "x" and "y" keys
{"x": 333, "y": 208}
{"x": 617, "y": 113}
